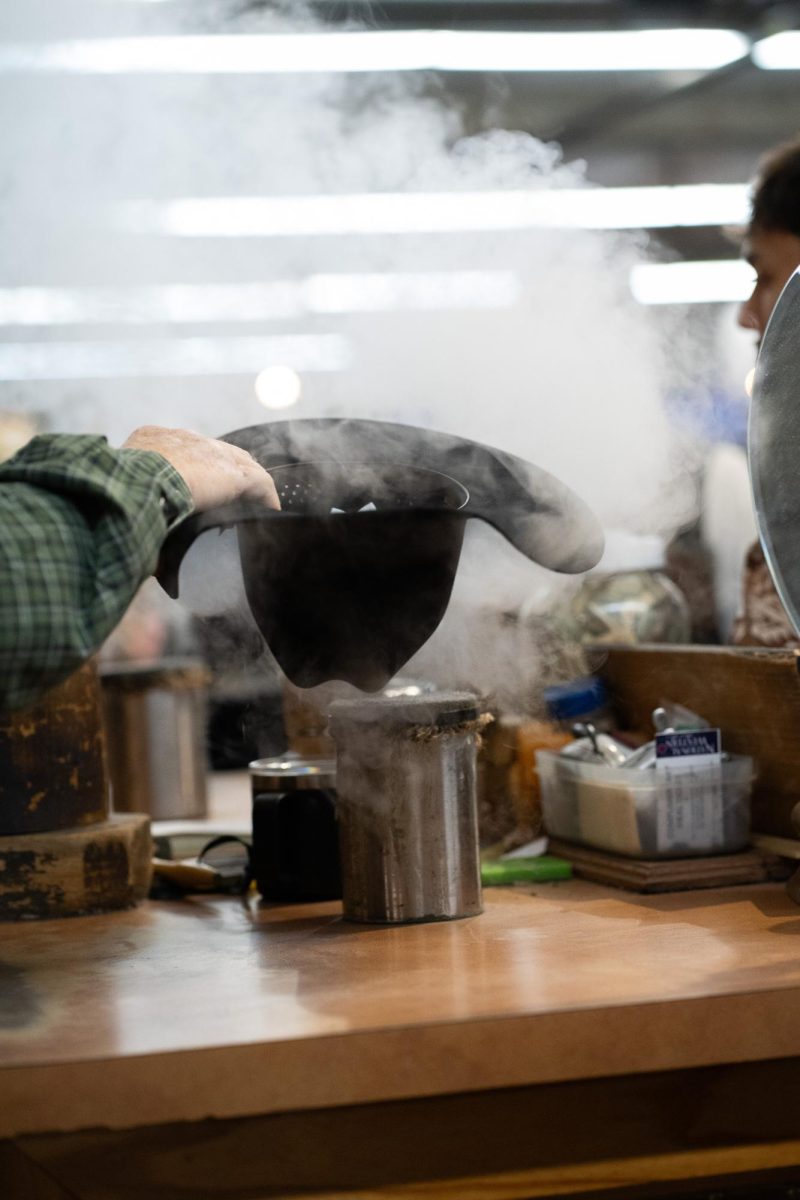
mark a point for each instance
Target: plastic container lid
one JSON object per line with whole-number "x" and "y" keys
{"x": 735, "y": 770}
{"x": 575, "y": 699}
{"x": 631, "y": 552}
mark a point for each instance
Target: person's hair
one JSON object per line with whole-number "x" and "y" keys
{"x": 776, "y": 196}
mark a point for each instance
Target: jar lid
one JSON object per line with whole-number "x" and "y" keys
{"x": 575, "y": 699}
{"x": 438, "y": 709}
{"x": 291, "y": 772}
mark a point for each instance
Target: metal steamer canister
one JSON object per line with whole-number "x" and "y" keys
{"x": 155, "y": 717}
{"x": 406, "y": 802}
{"x": 295, "y": 853}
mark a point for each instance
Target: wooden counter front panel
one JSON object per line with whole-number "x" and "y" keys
{"x": 519, "y": 1143}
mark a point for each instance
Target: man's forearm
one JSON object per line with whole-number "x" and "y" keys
{"x": 81, "y": 526}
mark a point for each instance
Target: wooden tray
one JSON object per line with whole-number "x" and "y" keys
{"x": 669, "y": 874}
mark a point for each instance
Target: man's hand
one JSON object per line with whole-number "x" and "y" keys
{"x": 214, "y": 472}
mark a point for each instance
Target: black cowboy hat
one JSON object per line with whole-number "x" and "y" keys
{"x": 355, "y": 572}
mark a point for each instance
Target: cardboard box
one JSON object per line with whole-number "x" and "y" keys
{"x": 753, "y": 695}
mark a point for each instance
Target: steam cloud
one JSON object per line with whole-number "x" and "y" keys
{"x": 570, "y": 376}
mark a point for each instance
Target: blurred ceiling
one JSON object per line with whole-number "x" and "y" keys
{"x": 101, "y": 142}
{"x": 632, "y": 128}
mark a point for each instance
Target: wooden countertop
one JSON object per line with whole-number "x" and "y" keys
{"x": 209, "y": 1007}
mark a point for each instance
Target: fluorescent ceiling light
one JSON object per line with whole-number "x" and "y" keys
{"x": 781, "y": 52}
{"x": 442, "y": 212}
{"x": 21, "y": 361}
{"x": 279, "y": 300}
{"x": 717, "y": 281}
{"x": 390, "y": 292}
{"x": 394, "y": 50}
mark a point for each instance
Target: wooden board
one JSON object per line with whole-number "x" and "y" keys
{"x": 666, "y": 874}
{"x": 752, "y": 695}
{"x": 92, "y": 868}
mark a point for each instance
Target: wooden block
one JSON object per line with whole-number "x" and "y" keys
{"x": 52, "y": 760}
{"x": 91, "y": 868}
{"x": 663, "y": 874}
{"x": 753, "y": 696}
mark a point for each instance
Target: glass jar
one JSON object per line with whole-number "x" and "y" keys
{"x": 627, "y": 598}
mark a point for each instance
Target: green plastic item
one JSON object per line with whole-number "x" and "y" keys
{"x": 542, "y": 869}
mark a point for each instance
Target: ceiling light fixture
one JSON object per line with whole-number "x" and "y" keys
{"x": 392, "y": 50}
{"x": 722, "y": 281}
{"x": 780, "y": 52}
{"x": 365, "y": 292}
{"x": 278, "y": 387}
{"x": 24, "y": 361}
{"x": 441, "y": 212}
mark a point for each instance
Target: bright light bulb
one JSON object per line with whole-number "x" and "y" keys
{"x": 278, "y": 387}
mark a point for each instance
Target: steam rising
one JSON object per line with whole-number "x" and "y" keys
{"x": 566, "y": 372}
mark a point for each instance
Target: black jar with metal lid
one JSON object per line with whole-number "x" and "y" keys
{"x": 295, "y": 836}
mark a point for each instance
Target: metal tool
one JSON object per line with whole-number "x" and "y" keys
{"x": 591, "y": 744}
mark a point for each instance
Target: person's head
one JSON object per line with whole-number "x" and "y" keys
{"x": 772, "y": 241}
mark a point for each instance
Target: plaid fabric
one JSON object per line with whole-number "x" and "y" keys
{"x": 81, "y": 526}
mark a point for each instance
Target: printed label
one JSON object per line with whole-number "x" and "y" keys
{"x": 687, "y": 743}
{"x": 689, "y": 770}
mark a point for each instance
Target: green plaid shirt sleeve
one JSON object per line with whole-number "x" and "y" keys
{"x": 81, "y": 526}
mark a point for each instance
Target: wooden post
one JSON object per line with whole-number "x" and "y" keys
{"x": 52, "y": 760}
{"x": 60, "y": 852}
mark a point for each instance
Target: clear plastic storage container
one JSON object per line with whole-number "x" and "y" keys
{"x": 647, "y": 813}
